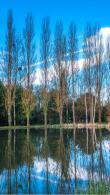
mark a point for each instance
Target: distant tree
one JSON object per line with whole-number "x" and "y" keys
{"x": 20, "y": 115}
{"x": 3, "y": 113}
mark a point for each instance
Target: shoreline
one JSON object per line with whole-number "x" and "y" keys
{"x": 57, "y": 126}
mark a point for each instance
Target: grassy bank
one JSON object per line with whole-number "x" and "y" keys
{"x": 64, "y": 126}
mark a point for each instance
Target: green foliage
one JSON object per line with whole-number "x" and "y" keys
{"x": 36, "y": 116}
{"x": 3, "y": 114}
{"x": 20, "y": 116}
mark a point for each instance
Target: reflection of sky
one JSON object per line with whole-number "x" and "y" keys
{"x": 86, "y": 161}
{"x": 40, "y": 179}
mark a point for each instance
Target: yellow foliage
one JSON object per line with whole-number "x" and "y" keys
{"x": 9, "y": 96}
{"x": 45, "y": 99}
{"x": 28, "y": 101}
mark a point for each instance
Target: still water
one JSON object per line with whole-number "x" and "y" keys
{"x": 61, "y": 162}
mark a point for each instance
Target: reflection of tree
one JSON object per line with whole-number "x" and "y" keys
{"x": 102, "y": 167}
{"x": 13, "y": 157}
{"x": 28, "y": 161}
{"x": 87, "y": 139}
{"x": 97, "y": 170}
{"x": 88, "y": 147}
{"x": 101, "y": 161}
{"x": 27, "y": 157}
{"x": 14, "y": 161}
{"x": 45, "y": 155}
{"x": 63, "y": 165}
{"x": 3, "y": 151}
{"x": 91, "y": 168}
{"x": 75, "y": 159}
{"x": 94, "y": 137}
{"x": 65, "y": 153}
{"x": 9, "y": 163}
{"x": 90, "y": 140}
{"x": 28, "y": 149}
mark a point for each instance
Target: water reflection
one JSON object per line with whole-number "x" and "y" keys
{"x": 55, "y": 161}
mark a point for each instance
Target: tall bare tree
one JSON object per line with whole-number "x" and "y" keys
{"x": 87, "y": 50}
{"x": 108, "y": 69}
{"x": 45, "y": 56}
{"x": 29, "y": 59}
{"x": 66, "y": 78}
{"x": 59, "y": 69}
{"x": 16, "y": 68}
{"x": 9, "y": 62}
{"x": 100, "y": 68}
{"x": 74, "y": 68}
{"x": 94, "y": 71}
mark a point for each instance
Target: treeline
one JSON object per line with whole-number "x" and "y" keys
{"x": 74, "y": 84}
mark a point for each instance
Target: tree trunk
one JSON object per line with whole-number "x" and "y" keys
{"x": 67, "y": 116}
{"x": 94, "y": 110}
{"x": 45, "y": 119}
{"x": 99, "y": 114}
{"x": 9, "y": 117}
{"x": 91, "y": 107}
{"x": 86, "y": 109}
{"x": 60, "y": 117}
{"x": 14, "y": 111}
{"x": 28, "y": 120}
{"x": 45, "y": 123}
{"x": 99, "y": 111}
{"x": 14, "y": 99}
{"x": 45, "y": 133}
{"x": 74, "y": 113}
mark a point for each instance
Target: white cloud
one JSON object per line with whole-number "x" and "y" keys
{"x": 105, "y": 32}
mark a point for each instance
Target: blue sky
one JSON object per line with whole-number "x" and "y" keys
{"x": 79, "y": 11}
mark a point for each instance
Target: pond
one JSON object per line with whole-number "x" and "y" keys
{"x": 60, "y": 162}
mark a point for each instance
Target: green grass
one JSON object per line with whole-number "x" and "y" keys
{"x": 56, "y": 126}
{"x": 30, "y": 126}
{"x": 99, "y": 188}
